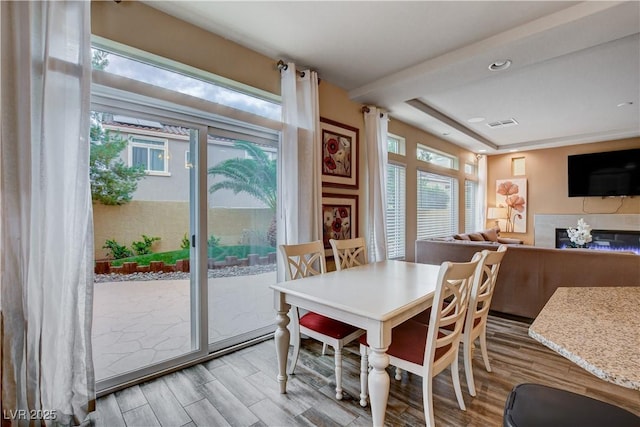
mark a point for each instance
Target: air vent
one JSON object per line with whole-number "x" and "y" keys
{"x": 502, "y": 123}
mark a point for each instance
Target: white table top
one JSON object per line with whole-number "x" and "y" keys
{"x": 598, "y": 328}
{"x": 377, "y": 291}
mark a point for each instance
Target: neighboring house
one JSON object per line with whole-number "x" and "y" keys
{"x": 164, "y": 152}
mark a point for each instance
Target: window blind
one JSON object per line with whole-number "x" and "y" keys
{"x": 437, "y": 205}
{"x": 471, "y": 213}
{"x": 396, "y": 211}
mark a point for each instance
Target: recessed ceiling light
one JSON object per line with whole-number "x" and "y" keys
{"x": 513, "y": 150}
{"x": 625, "y": 104}
{"x": 500, "y": 65}
{"x": 482, "y": 150}
{"x": 476, "y": 119}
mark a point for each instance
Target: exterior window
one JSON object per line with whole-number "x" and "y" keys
{"x": 437, "y": 205}
{"x": 186, "y": 80}
{"x": 430, "y": 155}
{"x": 395, "y": 144}
{"x": 150, "y": 152}
{"x": 470, "y": 169}
{"x": 471, "y": 214}
{"x": 396, "y": 211}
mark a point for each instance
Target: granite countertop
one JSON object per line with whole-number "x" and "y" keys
{"x": 596, "y": 328}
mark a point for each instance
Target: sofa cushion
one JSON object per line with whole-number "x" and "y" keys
{"x": 510, "y": 241}
{"x": 476, "y": 237}
{"x": 461, "y": 237}
{"x": 490, "y": 234}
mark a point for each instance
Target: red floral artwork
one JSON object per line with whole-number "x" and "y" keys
{"x": 336, "y": 223}
{"x": 332, "y": 146}
{"x": 329, "y": 163}
{"x": 336, "y": 153}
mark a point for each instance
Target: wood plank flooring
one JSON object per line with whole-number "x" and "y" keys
{"x": 240, "y": 389}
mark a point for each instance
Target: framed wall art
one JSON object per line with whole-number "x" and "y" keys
{"x": 339, "y": 218}
{"x": 511, "y": 194}
{"x": 339, "y": 154}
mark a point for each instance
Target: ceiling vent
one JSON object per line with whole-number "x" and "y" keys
{"x": 502, "y": 123}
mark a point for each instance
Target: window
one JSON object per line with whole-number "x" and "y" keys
{"x": 435, "y": 157}
{"x": 150, "y": 152}
{"x": 470, "y": 169}
{"x": 471, "y": 213}
{"x": 162, "y": 72}
{"x": 395, "y": 144}
{"x": 396, "y": 211}
{"x": 437, "y": 205}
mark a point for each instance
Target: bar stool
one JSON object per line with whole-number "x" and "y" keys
{"x": 536, "y": 405}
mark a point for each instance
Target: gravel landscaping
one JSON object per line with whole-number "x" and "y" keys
{"x": 220, "y": 272}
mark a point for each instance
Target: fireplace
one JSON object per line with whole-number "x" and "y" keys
{"x": 608, "y": 240}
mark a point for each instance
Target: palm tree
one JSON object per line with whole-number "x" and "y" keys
{"x": 255, "y": 175}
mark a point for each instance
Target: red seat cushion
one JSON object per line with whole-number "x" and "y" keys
{"x": 324, "y": 325}
{"x": 408, "y": 342}
{"x": 423, "y": 317}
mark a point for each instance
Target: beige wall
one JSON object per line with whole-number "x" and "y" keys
{"x": 546, "y": 174}
{"x": 170, "y": 222}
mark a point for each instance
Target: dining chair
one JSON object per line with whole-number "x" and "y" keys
{"x": 475, "y": 324}
{"x": 304, "y": 260}
{"x": 426, "y": 350}
{"x": 349, "y": 253}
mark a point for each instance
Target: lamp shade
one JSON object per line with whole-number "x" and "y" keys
{"x": 496, "y": 213}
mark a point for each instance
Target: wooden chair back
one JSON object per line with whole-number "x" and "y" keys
{"x": 304, "y": 259}
{"x": 483, "y": 286}
{"x": 349, "y": 253}
{"x": 451, "y": 300}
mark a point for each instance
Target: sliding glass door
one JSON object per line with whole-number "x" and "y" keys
{"x": 146, "y": 291}
{"x": 241, "y": 223}
{"x": 184, "y": 248}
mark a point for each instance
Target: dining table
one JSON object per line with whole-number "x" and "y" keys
{"x": 597, "y": 328}
{"x": 375, "y": 297}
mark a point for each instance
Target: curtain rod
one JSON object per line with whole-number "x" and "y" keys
{"x": 366, "y": 109}
{"x": 283, "y": 66}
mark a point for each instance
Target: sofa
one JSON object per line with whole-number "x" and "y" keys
{"x": 488, "y": 235}
{"x": 529, "y": 275}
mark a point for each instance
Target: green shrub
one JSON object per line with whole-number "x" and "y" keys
{"x": 143, "y": 247}
{"x": 167, "y": 257}
{"x": 213, "y": 241}
{"x": 186, "y": 243}
{"x": 116, "y": 250}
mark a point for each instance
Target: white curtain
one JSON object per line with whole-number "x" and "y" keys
{"x": 375, "y": 126}
{"x": 299, "y": 185}
{"x": 46, "y": 218}
{"x": 482, "y": 191}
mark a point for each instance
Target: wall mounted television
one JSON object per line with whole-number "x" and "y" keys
{"x": 605, "y": 174}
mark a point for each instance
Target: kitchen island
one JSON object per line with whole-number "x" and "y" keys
{"x": 598, "y": 328}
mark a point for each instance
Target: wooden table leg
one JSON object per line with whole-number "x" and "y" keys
{"x": 282, "y": 337}
{"x": 379, "y": 383}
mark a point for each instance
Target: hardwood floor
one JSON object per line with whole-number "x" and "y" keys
{"x": 240, "y": 389}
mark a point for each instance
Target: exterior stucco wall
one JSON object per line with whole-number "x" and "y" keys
{"x": 170, "y": 221}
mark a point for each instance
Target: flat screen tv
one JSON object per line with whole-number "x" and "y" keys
{"x": 606, "y": 174}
